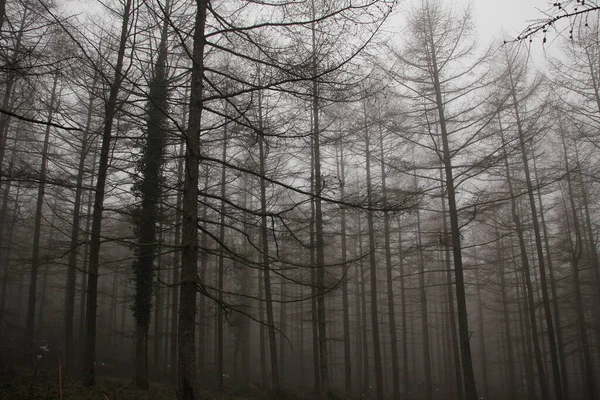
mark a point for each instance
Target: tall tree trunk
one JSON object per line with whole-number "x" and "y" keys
{"x": 149, "y": 188}
{"x": 6, "y": 227}
{"x": 89, "y": 352}
{"x": 221, "y": 261}
{"x": 345, "y": 305}
{"x": 482, "y": 349}
{"x": 527, "y": 275}
{"x": 526, "y": 358}
{"x": 282, "y": 324}
{"x": 75, "y": 228}
{"x": 506, "y": 318}
{"x": 424, "y": 313}
{"x": 313, "y": 272}
{"x": 31, "y": 304}
{"x": 589, "y": 234}
{"x": 86, "y": 251}
{"x": 373, "y": 269}
{"x": 553, "y": 292}
{"x": 319, "y": 230}
{"x": 159, "y": 301}
{"x": 203, "y": 320}
{"x": 186, "y": 388}
{"x": 389, "y": 278}
{"x": 176, "y": 260}
{"x": 463, "y": 322}
{"x": 450, "y": 293}
{"x": 358, "y": 324}
{"x": 540, "y": 252}
{"x": 6, "y": 258}
{"x": 265, "y": 255}
{"x": 247, "y": 287}
{"x": 405, "y": 375}
{"x": 576, "y": 253}
{"x": 363, "y": 299}
{"x": 261, "y": 316}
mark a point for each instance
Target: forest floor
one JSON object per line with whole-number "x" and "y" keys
{"x": 25, "y": 384}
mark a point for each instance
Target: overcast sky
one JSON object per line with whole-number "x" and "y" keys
{"x": 511, "y": 15}
{"x": 491, "y": 16}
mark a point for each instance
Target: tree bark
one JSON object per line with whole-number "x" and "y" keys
{"x": 553, "y": 292}
{"x": 186, "y": 388}
{"x": 75, "y": 228}
{"x": 323, "y": 392}
{"x": 221, "y": 266}
{"x": 345, "y": 304}
{"x": 526, "y": 270}
{"x": 389, "y": 278}
{"x": 506, "y": 319}
{"x": 89, "y": 352}
{"x": 540, "y": 251}
{"x": 453, "y": 331}
{"x": 463, "y": 323}
{"x": 176, "y": 266}
{"x": 576, "y": 253}
{"x": 405, "y": 374}
{"x": 31, "y": 303}
{"x": 373, "y": 270}
{"x": 424, "y": 313}
{"x": 266, "y": 262}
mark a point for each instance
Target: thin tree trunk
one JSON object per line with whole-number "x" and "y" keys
{"x": 6, "y": 226}
{"x": 31, "y": 304}
{"x": 363, "y": 297}
{"x": 389, "y": 278}
{"x": 345, "y": 305}
{"x": 75, "y": 228}
{"x": 424, "y": 314}
{"x": 323, "y": 393}
{"x": 221, "y": 266}
{"x": 405, "y": 372}
{"x": 186, "y": 388}
{"x": 86, "y": 250}
{"x": 266, "y": 257}
{"x": 313, "y": 273}
{"x": 506, "y": 319}
{"x": 540, "y": 254}
{"x": 576, "y": 253}
{"x": 282, "y": 324}
{"x": 463, "y": 323}
{"x": 589, "y": 234}
{"x": 176, "y": 260}
{"x": 202, "y": 323}
{"x": 553, "y": 292}
{"x": 358, "y": 324}
{"x": 482, "y": 349}
{"x": 453, "y": 331}
{"x": 263, "y": 347}
{"x": 247, "y": 289}
{"x": 526, "y": 357}
{"x": 373, "y": 271}
{"x": 89, "y": 352}
{"x": 527, "y": 275}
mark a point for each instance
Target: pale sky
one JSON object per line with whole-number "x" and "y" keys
{"x": 493, "y": 17}
{"x": 511, "y": 15}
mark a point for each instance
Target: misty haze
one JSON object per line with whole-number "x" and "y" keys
{"x": 286, "y": 200}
